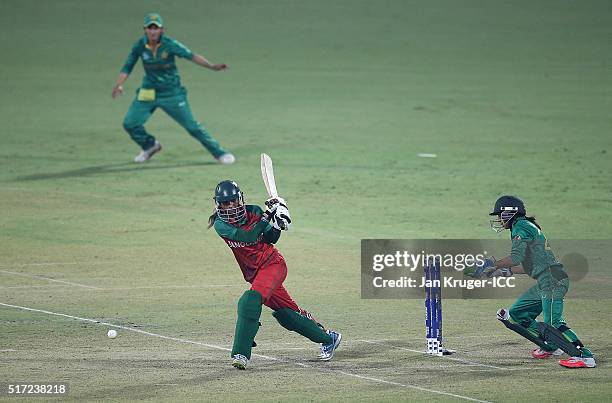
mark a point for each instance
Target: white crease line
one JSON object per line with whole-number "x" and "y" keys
{"x": 55, "y": 264}
{"x": 412, "y": 387}
{"x": 212, "y": 346}
{"x": 466, "y": 368}
{"x": 152, "y": 287}
{"x": 7, "y": 350}
{"x": 421, "y": 338}
{"x": 158, "y": 287}
{"x": 444, "y": 356}
{"x": 33, "y": 286}
{"x": 450, "y": 336}
{"x": 50, "y": 279}
{"x": 215, "y": 347}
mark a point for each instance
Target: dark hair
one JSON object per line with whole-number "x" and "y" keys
{"x": 212, "y": 218}
{"x": 533, "y": 221}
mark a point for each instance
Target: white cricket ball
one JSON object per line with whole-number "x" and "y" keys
{"x": 112, "y": 334}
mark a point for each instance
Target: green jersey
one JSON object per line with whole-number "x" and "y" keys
{"x": 530, "y": 248}
{"x": 160, "y": 69}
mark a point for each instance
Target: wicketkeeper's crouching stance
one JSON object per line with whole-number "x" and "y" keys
{"x": 251, "y": 232}
{"x": 531, "y": 254}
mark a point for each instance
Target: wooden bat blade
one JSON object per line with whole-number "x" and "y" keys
{"x": 267, "y": 173}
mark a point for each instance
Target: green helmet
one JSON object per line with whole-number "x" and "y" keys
{"x": 225, "y": 192}
{"x": 506, "y": 209}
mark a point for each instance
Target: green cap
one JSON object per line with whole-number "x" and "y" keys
{"x": 153, "y": 18}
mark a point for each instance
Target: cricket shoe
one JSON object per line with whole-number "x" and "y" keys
{"x": 327, "y": 350}
{"x": 543, "y": 354}
{"x": 578, "y": 362}
{"x": 239, "y": 361}
{"x": 226, "y": 159}
{"x": 146, "y": 155}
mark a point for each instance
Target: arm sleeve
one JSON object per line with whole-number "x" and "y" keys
{"x": 519, "y": 248}
{"x": 271, "y": 234}
{"x": 181, "y": 50}
{"x": 238, "y": 234}
{"x": 520, "y": 238}
{"x": 131, "y": 60}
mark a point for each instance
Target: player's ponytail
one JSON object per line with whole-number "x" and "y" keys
{"x": 212, "y": 218}
{"x": 533, "y": 221}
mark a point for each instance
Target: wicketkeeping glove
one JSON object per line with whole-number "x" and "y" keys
{"x": 493, "y": 272}
{"x": 480, "y": 270}
{"x": 503, "y": 314}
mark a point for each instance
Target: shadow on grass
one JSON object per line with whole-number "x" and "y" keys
{"x": 106, "y": 169}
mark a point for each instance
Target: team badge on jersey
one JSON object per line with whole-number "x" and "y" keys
{"x": 164, "y": 55}
{"x": 517, "y": 238}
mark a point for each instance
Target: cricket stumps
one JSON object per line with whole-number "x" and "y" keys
{"x": 433, "y": 308}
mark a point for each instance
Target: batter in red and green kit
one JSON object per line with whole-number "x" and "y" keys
{"x": 251, "y": 234}
{"x": 531, "y": 254}
{"x": 161, "y": 88}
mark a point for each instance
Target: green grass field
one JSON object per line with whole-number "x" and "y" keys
{"x": 513, "y": 97}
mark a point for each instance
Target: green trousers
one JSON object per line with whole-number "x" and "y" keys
{"x": 177, "y": 107}
{"x": 545, "y": 298}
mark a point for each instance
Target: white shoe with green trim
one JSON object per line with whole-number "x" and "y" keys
{"x": 239, "y": 361}
{"x": 146, "y": 155}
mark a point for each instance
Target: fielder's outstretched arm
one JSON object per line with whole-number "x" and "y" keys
{"x": 127, "y": 68}
{"x": 201, "y": 61}
{"x": 118, "y": 88}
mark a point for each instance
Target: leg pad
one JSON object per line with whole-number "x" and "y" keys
{"x": 552, "y": 335}
{"x": 291, "y": 320}
{"x": 247, "y": 324}
{"x": 523, "y": 331}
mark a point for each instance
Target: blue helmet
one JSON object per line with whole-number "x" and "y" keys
{"x": 506, "y": 209}
{"x": 225, "y": 192}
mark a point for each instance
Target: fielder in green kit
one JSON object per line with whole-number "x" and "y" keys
{"x": 161, "y": 88}
{"x": 531, "y": 254}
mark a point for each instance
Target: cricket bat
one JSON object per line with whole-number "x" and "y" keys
{"x": 267, "y": 173}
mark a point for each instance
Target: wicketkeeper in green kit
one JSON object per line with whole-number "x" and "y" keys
{"x": 161, "y": 88}
{"x": 531, "y": 254}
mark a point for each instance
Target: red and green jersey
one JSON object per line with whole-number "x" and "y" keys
{"x": 160, "y": 69}
{"x": 251, "y": 241}
{"x": 530, "y": 248}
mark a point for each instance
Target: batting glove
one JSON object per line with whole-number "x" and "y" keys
{"x": 275, "y": 201}
{"x": 275, "y": 223}
{"x": 282, "y": 217}
{"x": 268, "y": 215}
